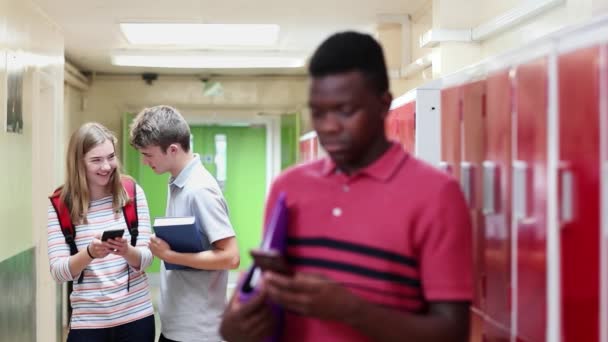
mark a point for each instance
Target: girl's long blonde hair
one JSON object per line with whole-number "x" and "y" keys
{"x": 75, "y": 192}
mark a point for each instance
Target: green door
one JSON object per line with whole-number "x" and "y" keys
{"x": 245, "y": 184}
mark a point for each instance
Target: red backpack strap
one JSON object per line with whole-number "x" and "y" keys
{"x": 130, "y": 209}
{"x": 130, "y": 213}
{"x": 65, "y": 222}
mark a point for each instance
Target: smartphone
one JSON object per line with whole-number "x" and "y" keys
{"x": 271, "y": 260}
{"x": 249, "y": 283}
{"x": 112, "y": 234}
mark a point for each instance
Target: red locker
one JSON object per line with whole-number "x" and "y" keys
{"x": 401, "y": 125}
{"x": 392, "y": 126}
{"x": 451, "y": 120}
{"x": 473, "y": 147}
{"x": 309, "y": 147}
{"x": 452, "y": 130}
{"x": 496, "y": 277}
{"x": 578, "y": 193}
{"x": 603, "y": 124}
{"x": 530, "y": 198}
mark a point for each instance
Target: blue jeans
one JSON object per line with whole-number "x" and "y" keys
{"x": 139, "y": 331}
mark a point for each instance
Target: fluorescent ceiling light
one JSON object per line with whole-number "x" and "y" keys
{"x": 200, "y": 34}
{"x": 207, "y": 62}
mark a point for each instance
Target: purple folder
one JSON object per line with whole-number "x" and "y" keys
{"x": 275, "y": 238}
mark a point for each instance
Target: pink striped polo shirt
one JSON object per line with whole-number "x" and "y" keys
{"x": 396, "y": 233}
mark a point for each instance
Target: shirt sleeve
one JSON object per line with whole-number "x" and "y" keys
{"x": 445, "y": 245}
{"x": 210, "y": 208}
{"x": 58, "y": 249}
{"x": 143, "y": 239}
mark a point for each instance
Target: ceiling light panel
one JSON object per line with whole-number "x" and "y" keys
{"x": 206, "y": 62}
{"x": 249, "y": 35}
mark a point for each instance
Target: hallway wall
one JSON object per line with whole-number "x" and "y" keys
{"x": 571, "y": 12}
{"x": 73, "y": 112}
{"x": 34, "y": 47}
{"x": 451, "y": 56}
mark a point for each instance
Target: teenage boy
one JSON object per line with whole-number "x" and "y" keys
{"x": 191, "y": 301}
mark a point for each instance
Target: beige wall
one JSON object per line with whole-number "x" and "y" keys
{"x": 73, "y": 112}
{"x": 243, "y": 97}
{"x": 570, "y": 13}
{"x": 30, "y": 168}
{"x": 449, "y": 57}
{"x": 489, "y": 9}
{"x": 420, "y": 22}
{"x": 40, "y": 47}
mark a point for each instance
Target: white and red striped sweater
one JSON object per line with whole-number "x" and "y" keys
{"x": 102, "y": 299}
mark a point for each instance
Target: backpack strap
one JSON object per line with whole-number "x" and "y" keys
{"x": 130, "y": 209}
{"x": 65, "y": 222}
{"x": 130, "y": 213}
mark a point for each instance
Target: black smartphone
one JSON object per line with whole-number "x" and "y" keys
{"x": 271, "y": 260}
{"x": 112, "y": 234}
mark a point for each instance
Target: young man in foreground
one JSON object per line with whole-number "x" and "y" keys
{"x": 380, "y": 242}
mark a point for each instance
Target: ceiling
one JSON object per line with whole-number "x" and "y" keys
{"x": 92, "y": 32}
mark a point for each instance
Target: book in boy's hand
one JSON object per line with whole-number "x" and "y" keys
{"x": 181, "y": 234}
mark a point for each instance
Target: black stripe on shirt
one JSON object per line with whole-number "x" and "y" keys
{"x": 383, "y": 293}
{"x": 353, "y": 247}
{"x": 355, "y": 269}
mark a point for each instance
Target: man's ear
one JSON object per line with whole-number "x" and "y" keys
{"x": 385, "y": 100}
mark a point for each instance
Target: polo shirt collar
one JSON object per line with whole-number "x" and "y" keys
{"x": 184, "y": 174}
{"x": 381, "y": 169}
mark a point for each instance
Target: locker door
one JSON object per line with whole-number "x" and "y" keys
{"x": 473, "y": 147}
{"x": 451, "y": 119}
{"x": 400, "y": 125}
{"x": 603, "y": 124}
{"x": 578, "y": 190}
{"x": 409, "y": 127}
{"x": 309, "y": 147}
{"x": 529, "y": 199}
{"x": 472, "y": 140}
{"x": 496, "y": 172}
{"x": 427, "y": 133}
{"x": 391, "y": 126}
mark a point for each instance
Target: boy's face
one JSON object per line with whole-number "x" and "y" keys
{"x": 159, "y": 161}
{"x": 348, "y": 117}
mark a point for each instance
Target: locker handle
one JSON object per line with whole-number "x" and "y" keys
{"x": 445, "y": 166}
{"x": 491, "y": 187}
{"x": 566, "y": 194}
{"x": 467, "y": 181}
{"x": 521, "y": 184}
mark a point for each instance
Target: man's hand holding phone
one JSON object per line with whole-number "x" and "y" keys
{"x": 271, "y": 260}
{"x": 308, "y": 294}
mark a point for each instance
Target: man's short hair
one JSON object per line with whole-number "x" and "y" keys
{"x": 351, "y": 51}
{"x": 159, "y": 126}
